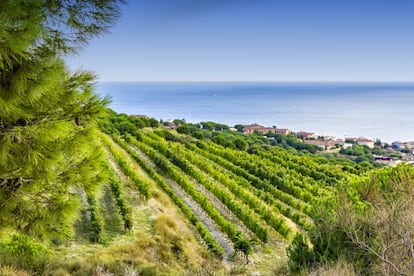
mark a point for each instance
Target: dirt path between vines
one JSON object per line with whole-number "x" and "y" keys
{"x": 212, "y": 227}
{"x": 222, "y": 208}
{"x": 289, "y": 221}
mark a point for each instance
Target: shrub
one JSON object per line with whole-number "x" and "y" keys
{"x": 198, "y": 134}
{"x": 184, "y": 129}
{"x": 22, "y": 252}
{"x": 299, "y": 254}
{"x": 368, "y": 223}
{"x": 241, "y": 144}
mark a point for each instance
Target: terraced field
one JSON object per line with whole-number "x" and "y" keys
{"x": 236, "y": 201}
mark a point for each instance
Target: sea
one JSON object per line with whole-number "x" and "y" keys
{"x": 382, "y": 111}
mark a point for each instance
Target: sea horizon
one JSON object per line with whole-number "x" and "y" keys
{"x": 375, "y": 110}
{"x": 248, "y": 81}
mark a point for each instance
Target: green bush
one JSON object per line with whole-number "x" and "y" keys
{"x": 184, "y": 129}
{"x": 198, "y": 134}
{"x": 368, "y": 222}
{"x": 299, "y": 254}
{"x": 22, "y": 252}
{"x": 241, "y": 144}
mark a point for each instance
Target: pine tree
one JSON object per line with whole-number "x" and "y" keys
{"x": 47, "y": 114}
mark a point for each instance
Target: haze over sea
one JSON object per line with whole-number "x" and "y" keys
{"x": 371, "y": 110}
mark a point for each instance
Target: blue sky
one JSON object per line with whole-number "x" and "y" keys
{"x": 256, "y": 40}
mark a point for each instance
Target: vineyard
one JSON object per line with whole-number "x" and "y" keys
{"x": 172, "y": 201}
{"x": 237, "y": 201}
{"x": 87, "y": 191}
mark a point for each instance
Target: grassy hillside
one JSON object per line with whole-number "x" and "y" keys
{"x": 176, "y": 204}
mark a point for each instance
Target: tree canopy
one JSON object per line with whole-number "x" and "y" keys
{"x": 48, "y": 155}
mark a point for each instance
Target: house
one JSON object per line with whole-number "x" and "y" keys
{"x": 329, "y": 138}
{"x": 347, "y": 145}
{"x": 249, "y": 129}
{"x": 332, "y": 144}
{"x": 339, "y": 142}
{"x": 365, "y": 142}
{"x": 318, "y": 143}
{"x": 306, "y": 135}
{"x": 170, "y": 123}
{"x": 283, "y": 131}
{"x": 362, "y": 141}
{"x": 324, "y": 145}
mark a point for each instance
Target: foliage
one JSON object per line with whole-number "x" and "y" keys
{"x": 181, "y": 179}
{"x": 184, "y": 129}
{"x": 117, "y": 190}
{"x": 240, "y": 144}
{"x": 243, "y": 245}
{"x": 280, "y": 201}
{"x": 238, "y": 208}
{"x": 269, "y": 183}
{"x": 291, "y": 141}
{"x": 96, "y": 221}
{"x": 396, "y": 155}
{"x": 47, "y": 114}
{"x": 179, "y": 121}
{"x": 220, "y": 139}
{"x": 364, "y": 158}
{"x": 318, "y": 168}
{"x": 247, "y": 195}
{"x": 214, "y": 126}
{"x": 124, "y": 209}
{"x": 299, "y": 254}
{"x": 22, "y": 252}
{"x": 239, "y": 127}
{"x": 356, "y": 150}
{"x": 364, "y": 154}
{"x": 211, "y": 242}
{"x": 33, "y": 26}
{"x": 243, "y": 160}
{"x": 121, "y": 160}
{"x": 369, "y": 223}
{"x": 167, "y": 135}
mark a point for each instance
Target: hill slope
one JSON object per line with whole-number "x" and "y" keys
{"x": 174, "y": 203}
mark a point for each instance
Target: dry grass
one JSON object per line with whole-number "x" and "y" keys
{"x": 161, "y": 243}
{"x": 162, "y": 252}
{"x": 10, "y": 271}
{"x": 341, "y": 268}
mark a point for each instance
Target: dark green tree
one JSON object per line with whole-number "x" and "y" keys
{"x": 184, "y": 129}
{"x": 48, "y": 155}
{"x": 241, "y": 144}
{"x": 239, "y": 127}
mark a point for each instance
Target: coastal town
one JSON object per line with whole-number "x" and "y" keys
{"x": 389, "y": 154}
{"x": 358, "y": 149}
